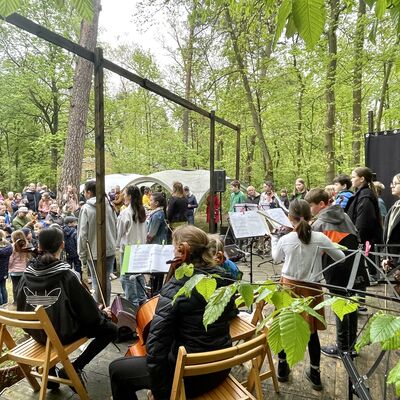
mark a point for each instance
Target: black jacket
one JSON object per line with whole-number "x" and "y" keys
{"x": 68, "y": 304}
{"x": 181, "y": 324}
{"x": 5, "y": 254}
{"x": 32, "y": 199}
{"x": 392, "y": 237}
{"x": 177, "y": 209}
{"x": 363, "y": 210}
{"x": 70, "y": 241}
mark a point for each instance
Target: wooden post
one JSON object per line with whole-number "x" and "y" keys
{"x": 370, "y": 121}
{"x": 237, "y": 172}
{"x": 100, "y": 169}
{"x": 211, "y": 223}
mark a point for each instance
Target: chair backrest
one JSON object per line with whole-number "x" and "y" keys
{"x": 37, "y": 319}
{"x": 213, "y": 361}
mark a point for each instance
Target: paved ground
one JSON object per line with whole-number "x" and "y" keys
{"x": 333, "y": 373}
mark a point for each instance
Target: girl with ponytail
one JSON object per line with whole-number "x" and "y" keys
{"x": 301, "y": 252}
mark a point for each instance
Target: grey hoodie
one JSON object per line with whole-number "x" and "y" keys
{"x": 87, "y": 230}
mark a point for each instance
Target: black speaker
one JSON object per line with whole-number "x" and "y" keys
{"x": 220, "y": 180}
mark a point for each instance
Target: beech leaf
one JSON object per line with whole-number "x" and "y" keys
{"x": 206, "y": 287}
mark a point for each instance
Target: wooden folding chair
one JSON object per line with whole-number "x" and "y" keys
{"x": 36, "y": 359}
{"x": 219, "y": 360}
{"x": 243, "y": 329}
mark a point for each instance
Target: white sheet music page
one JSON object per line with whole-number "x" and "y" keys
{"x": 147, "y": 258}
{"x": 247, "y": 224}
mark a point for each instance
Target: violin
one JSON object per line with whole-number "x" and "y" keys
{"x": 146, "y": 311}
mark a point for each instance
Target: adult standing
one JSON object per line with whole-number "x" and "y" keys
{"x": 192, "y": 205}
{"x": 217, "y": 208}
{"x": 177, "y": 207}
{"x": 131, "y": 230}
{"x": 237, "y": 196}
{"x": 22, "y": 220}
{"x": 252, "y": 196}
{"x": 87, "y": 228}
{"x": 268, "y": 198}
{"x": 9, "y": 202}
{"x": 119, "y": 199}
{"x": 363, "y": 209}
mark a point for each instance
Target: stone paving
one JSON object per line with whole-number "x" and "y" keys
{"x": 333, "y": 374}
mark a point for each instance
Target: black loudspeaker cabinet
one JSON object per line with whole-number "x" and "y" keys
{"x": 220, "y": 180}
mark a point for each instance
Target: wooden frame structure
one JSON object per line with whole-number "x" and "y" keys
{"x": 100, "y": 63}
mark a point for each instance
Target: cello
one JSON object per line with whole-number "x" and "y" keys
{"x": 146, "y": 311}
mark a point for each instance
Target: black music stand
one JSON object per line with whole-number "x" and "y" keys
{"x": 248, "y": 225}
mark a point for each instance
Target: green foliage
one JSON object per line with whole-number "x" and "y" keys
{"x": 394, "y": 377}
{"x": 206, "y": 287}
{"x": 246, "y": 294}
{"x": 7, "y": 7}
{"x": 384, "y": 328}
{"x": 184, "y": 270}
{"x": 341, "y": 307}
{"x": 309, "y": 18}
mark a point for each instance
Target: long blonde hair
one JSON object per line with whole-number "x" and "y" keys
{"x": 19, "y": 240}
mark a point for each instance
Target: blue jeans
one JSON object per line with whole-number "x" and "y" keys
{"x": 109, "y": 269}
{"x": 3, "y": 292}
{"x": 134, "y": 288}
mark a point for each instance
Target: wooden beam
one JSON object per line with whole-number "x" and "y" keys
{"x": 211, "y": 223}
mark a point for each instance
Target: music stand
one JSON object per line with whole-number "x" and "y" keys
{"x": 248, "y": 225}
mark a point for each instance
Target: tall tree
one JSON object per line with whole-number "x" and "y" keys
{"x": 75, "y": 143}
{"x": 330, "y": 123}
{"x": 357, "y": 82}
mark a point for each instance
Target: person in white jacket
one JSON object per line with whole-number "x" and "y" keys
{"x": 302, "y": 252}
{"x": 131, "y": 230}
{"x": 87, "y": 233}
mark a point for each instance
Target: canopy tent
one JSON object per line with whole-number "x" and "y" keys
{"x": 197, "y": 180}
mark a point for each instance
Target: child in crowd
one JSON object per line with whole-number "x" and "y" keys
{"x": 5, "y": 254}
{"x": 19, "y": 259}
{"x": 342, "y": 184}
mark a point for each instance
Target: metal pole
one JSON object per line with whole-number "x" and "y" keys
{"x": 237, "y": 172}
{"x": 100, "y": 169}
{"x": 211, "y": 222}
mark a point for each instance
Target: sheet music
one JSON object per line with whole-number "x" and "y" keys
{"x": 243, "y": 207}
{"x": 247, "y": 224}
{"x": 147, "y": 258}
{"x": 276, "y": 217}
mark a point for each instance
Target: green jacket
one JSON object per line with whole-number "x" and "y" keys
{"x": 236, "y": 198}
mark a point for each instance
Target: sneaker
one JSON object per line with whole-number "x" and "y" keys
{"x": 283, "y": 371}
{"x": 113, "y": 276}
{"x": 314, "y": 376}
{"x": 362, "y": 310}
{"x": 330, "y": 351}
{"x": 82, "y": 376}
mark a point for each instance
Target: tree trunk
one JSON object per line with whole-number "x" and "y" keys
{"x": 330, "y": 91}
{"x": 268, "y": 166}
{"x": 299, "y": 140}
{"x": 75, "y": 143}
{"x": 387, "y": 69}
{"x": 357, "y": 82}
{"x": 188, "y": 63}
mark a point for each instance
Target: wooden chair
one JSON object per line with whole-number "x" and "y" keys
{"x": 212, "y": 361}
{"x": 36, "y": 359}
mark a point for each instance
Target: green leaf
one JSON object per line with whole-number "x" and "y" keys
{"x": 365, "y": 338}
{"x": 327, "y": 302}
{"x": 295, "y": 335}
{"x": 7, "y": 7}
{"x": 206, "y": 287}
{"x": 391, "y": 344}
{"x": 246, "y": 291}
{"x": 290, "y": 27}
{"x": 309, "y": 18}
{"x": 341, "y": 307}
{"x": 274, "y": 336}
{"x": 218, "y": 301}
{"x": 384, "y": 327}
{"x": 313, "y": 313}
{"x": 84, "y": 8}
{"x": 283, "y": 14}
{"x": 373, "y": 31}
{"x": 380, "y": 8}
{"x": 265, "y": 294}
{"x": 281, "y": 299}
{"x": 394, "y": 377}
{"x": 179, "y": 293}
{"x": 184, "y": 270}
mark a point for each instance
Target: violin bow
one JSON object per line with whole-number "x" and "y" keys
{"x": 95, "y": 273}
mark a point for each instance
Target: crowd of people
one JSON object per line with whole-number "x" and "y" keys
{"x": 65, "y": 242}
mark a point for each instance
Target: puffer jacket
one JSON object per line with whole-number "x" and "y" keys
{"x": 181, "y": 324}
{"x": 363, "y": 210}
{"x": 5, "y": 254}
